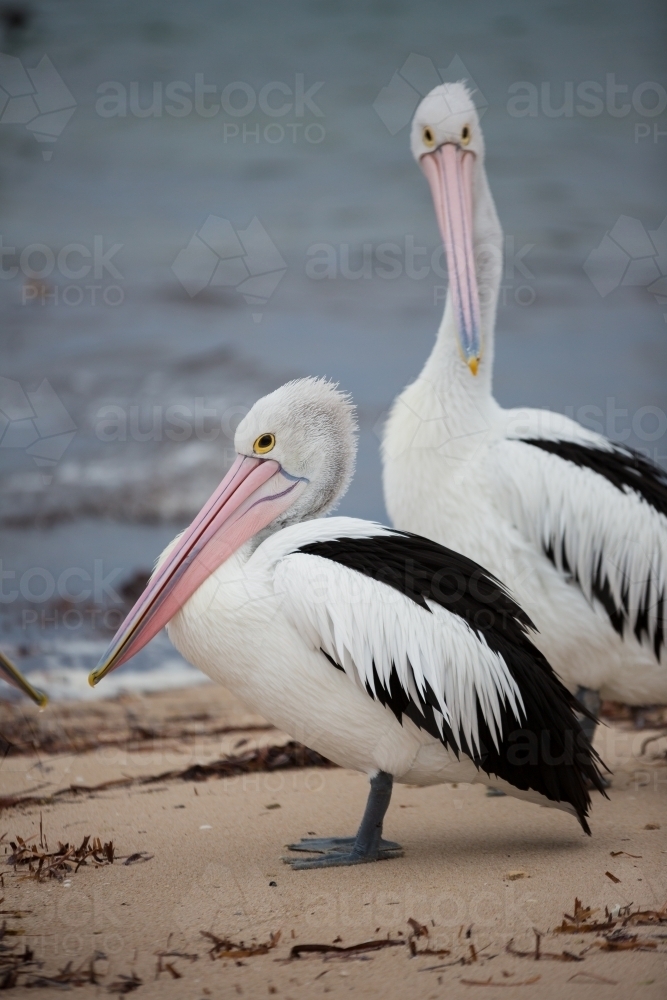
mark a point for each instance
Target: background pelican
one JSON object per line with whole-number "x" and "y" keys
{"x": 575, "y": 525}
{"x": 381, "y": 649}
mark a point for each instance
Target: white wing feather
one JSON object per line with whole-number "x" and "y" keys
{"x": 577, "y": 513}
{"x": 364, "y": 624}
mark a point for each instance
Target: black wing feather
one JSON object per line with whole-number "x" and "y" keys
{"x": 629, "y": 472}
{"x": 623, "y": 467}
{"x": 549, "y": 752}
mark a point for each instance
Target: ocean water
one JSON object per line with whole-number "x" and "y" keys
{"x": 123, "y": 385}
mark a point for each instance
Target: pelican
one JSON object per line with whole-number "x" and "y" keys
{"x": 14, "y": 677}
{"x": 574, "y": 524}
{"x": 382, "y": 650}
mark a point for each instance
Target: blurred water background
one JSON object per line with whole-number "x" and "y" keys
{"x": 196, "y": 205}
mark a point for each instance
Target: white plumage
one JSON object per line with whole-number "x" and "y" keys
{"x": 259, "y": 626}
{"x": 576, "y": 526}
{"x": 382, "y": 650}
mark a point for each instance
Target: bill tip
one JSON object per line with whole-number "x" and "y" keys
{"x": 473, "y": 364}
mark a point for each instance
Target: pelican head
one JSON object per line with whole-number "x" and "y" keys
{"x": 295, "y": 453}
{"x": 309, "y": 428}
{"x": 447, "y": 142}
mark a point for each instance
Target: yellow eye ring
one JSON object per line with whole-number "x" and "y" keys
{"x": 427, "y": 136}
{"x": 264, "y": 444}
{"x": 465, "y": 135}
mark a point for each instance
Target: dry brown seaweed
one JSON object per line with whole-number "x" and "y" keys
{"x": 70, "y": 975}
{"x": 13, "y": 963}
{"x": 537, "y": 954}
{"x": 620, "y": 940}
{"x": 170, "y": 966}
{"x": 125, "y": 984}
{"x": 580, "y": 921}
{"x": 87, "y": 727}
{"x": 490, "y": 982}
{"x": 224, "y": 948}
{"x": 338, "y": 950}
{"x": 43, "y": 864}
{"x": 269, "y": 758}
{"x": 138, "y": 857}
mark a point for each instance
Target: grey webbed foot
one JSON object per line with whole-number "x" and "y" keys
{"x": 324, "y": 845}
{"x": 341, "y": 855}
{"x": 368, "y": 844}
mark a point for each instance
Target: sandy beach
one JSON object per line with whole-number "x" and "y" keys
{"x": 206, "y": 908}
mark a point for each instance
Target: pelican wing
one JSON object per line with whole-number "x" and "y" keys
{"x": 432, "y": 636}
{"x": 599, "y": 512}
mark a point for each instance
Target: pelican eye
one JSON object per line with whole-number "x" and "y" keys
{"x": 427, "y": 136}
{"x": 264, "y": 444}
{"x": 465, "y": 135}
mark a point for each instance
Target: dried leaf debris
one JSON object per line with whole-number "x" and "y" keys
{"x": 613, "y": 931}
{"x": 138, "y": 857}
{"x": 20, "y": 968}
{"x": 419, "y": 931}
{"x": 268, "y": 758}
{"x": 125, "y": 984}
{"x": 42, "y": 864}
{"x": 224, "y": 948}
{"x": 490, "y": 982}
{"x": 170, "y": 967}
{"x": 14, "y": 963}
{"x": 583, "y": 921}
{"x": 537, "y": 954}
{"x": 137, "y": 726}
{"x": 338, "y": 950}
{"x": 580, "y": 922}
{"x": 71, "y": 975}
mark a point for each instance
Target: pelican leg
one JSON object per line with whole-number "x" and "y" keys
{"x": 591, "y": 700}
{"x": 368, "y": 844}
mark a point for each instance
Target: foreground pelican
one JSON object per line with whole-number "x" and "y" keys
{"x": 14, "y": 677}
{"x": 575, "y": 525}
{"x": 383, "y": 651}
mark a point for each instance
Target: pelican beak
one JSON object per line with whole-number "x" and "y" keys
{"x": 252, "y": 494}
{"x": 13, "y": 676}
{"x": 449, "y": 171}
